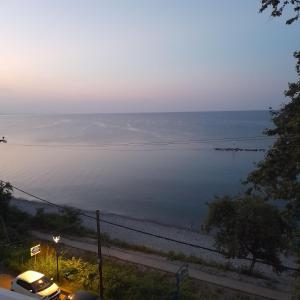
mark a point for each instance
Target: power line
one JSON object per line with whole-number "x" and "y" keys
{"x": 142, "y": 231}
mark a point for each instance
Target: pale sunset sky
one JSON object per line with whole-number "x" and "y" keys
{"x": 73, "y": 56}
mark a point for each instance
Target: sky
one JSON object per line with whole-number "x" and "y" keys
{"x": 88, "y": 56}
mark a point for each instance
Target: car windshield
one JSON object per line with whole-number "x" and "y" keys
{"x": 41, "y": 284}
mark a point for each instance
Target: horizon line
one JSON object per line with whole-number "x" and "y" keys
{"x": 141, "y": 112}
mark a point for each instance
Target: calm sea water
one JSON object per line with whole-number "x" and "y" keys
{"x": 141, "y": 165}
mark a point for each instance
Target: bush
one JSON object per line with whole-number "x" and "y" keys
{"x": 67, "y": 220}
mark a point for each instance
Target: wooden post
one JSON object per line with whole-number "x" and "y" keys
{"x": 99, "y": 256}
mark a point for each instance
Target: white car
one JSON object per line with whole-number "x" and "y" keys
{"x": 36, "y": 285}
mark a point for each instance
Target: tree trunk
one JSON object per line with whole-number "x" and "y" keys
{"x": 252, "y": 265}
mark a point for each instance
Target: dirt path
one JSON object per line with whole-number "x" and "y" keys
{"x": 161, "y": 263}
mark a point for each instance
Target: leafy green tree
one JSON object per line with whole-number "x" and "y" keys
{"x": 248, "y": 226}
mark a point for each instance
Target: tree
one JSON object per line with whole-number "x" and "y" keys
{"x": 247, "y": 225}
{"x": 5, "y": 197}
{"x": 278, "y": 7}
{"x": 278, "y": 175}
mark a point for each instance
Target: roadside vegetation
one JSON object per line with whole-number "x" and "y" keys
{"x": 121, "y": 282}
{"x": 78, "y": 269}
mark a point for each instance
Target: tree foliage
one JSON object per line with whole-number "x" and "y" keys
{"x": 67, "y": 220}
{"x": 279, "y": 6}
{"x": 277, "y": 176}
{"x": 246, "y": 226}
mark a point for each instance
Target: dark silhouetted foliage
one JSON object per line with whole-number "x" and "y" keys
{"x": 279, "y": 6}
{"x": 67, "y": 221}
{"x": 277, "y": 176}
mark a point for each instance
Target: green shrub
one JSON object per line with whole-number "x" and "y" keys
{"x": 66, "y": 221}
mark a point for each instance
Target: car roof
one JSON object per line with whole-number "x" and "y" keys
{"x": 30, "y": 276}
{"x": 9, "y": 295}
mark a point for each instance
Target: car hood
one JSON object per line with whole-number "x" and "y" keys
{"x": 48, "y": 291}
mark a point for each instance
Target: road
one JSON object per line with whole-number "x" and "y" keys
{"x": 161, "y": 263}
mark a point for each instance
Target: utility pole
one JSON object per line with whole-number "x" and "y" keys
{"x": 99, "y": 256}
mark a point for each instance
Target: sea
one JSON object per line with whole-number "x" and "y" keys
{"x": 154, "y": 166}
